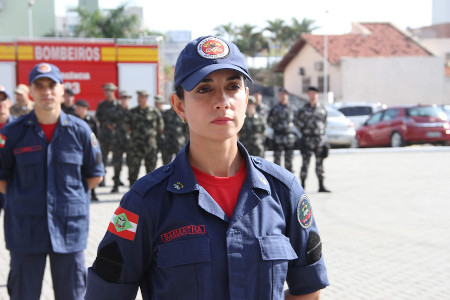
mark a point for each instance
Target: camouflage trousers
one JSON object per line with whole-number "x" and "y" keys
{"x": 307, "y": 152}
{"x": 134, "y": 158}
{"x": 117, "y": 160}
{"x": 288, "y": 156}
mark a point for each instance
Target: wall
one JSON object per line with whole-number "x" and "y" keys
{"x": 394, "y": 81}
{"x": 306, "y": 59}
{"x": 14, "y": 18}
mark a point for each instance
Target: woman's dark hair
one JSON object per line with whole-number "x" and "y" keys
{"x": 180, "y": 92}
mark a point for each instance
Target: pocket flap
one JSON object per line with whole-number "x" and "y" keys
{"x": 77, "y": 208}
{"x": 184, "y": 252}
{"x": 276, "y": 247}
{"x": 70, "y": 158}
{"x": 29, "y": 158}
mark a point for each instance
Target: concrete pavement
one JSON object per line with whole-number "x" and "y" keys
{"x": 384, "y": 227}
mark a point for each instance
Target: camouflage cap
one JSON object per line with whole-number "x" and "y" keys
{"x": 124, "y": 94}
{"x": 251, "y": 100}
{"x": 159, "y": 99}
{"x": 142, "y": 93}
{"x": 22, "y": 89}
{"x": 109, "y": 86}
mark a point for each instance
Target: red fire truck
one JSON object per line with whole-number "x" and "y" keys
{"x": 85, "y": 64}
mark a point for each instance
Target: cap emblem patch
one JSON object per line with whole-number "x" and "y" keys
{"x": 44, "y": 68}
{"x": 304, "y": 212}
{"x": 213, "y": 48}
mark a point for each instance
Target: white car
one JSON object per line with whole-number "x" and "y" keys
{"x": 339, "y": 131}
{"x": 358, "y": 112}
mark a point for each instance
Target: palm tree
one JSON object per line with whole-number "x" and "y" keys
{"x": 112, "y": 24}
{"x": 228, "y": 31}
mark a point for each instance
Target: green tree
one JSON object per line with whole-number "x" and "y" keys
{"x": 228, "y": 31}
{"x": 249, "y": 41}
{"x": 113, "y": 23}
{"x": 297, "y": 28}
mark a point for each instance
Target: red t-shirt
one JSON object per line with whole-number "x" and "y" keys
{"x": 49, "y": 129}
{"x": 224, "y": 190}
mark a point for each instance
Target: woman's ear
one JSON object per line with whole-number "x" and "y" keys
{"x": 178, "y": 106}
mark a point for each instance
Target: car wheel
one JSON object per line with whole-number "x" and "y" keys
{"x": 397, "y": 140}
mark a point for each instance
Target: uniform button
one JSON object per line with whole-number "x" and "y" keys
{"x": 166, "y": 169}
{"x": 258, "y": 160}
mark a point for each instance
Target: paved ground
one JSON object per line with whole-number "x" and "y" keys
{"x": 384, "y": 227}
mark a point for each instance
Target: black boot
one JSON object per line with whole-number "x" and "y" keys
{"x": 322, "y": 188}
{"x": 93, "y": 195}
{"x": 115, "y": 188}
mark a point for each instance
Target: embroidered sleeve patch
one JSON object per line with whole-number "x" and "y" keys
{"x": 2, "y": 141}
{"x": 94, "y": 141}
{"x": 304, "y": 212}
{"x": 124, "y": 224}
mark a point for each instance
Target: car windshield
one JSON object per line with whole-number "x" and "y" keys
{"x": 425, "y": 111}
{"x": 356, "y": 111}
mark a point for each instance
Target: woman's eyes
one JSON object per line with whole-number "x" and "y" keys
{"x": 232, "y": 87}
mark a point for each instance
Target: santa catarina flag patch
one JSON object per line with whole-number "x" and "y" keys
{"x": 2, "y": 141}
{"x": 124, "y": 223}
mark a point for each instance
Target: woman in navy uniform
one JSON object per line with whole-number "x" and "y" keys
{"x": 215, "y": 223}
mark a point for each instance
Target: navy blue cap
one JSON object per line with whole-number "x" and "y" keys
{"x": 45, "y": 70}
{"x": 4, "y": 91}
{"x": 205, "y": 55}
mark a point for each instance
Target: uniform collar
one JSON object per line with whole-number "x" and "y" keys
{"x": 182, "y": 179}
{"x": 63, "y": 120}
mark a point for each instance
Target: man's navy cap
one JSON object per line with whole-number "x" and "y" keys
{"x": 81, "y": 102}
{"x": 45, "y": 70}
{"x": 205, "y": 55}
{"x": 313, "y": 88}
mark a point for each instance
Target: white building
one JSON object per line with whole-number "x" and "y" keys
{"x": 375, "y": 62}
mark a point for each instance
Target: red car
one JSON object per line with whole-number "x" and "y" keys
{"x": 404, "y": 125}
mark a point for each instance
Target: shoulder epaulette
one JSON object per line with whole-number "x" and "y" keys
{"x": 273, "y": 170}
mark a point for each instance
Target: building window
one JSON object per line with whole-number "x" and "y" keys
{"x": 321, "y": 87}
{"x": 306, "y": 82}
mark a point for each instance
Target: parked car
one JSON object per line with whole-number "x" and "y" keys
{"x": 405, "y": 125}
{"x": 340, "y": 131}
{"x": 358, "y": 112}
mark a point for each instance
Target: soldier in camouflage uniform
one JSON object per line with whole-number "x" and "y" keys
{"x": 311, "y": 121}
{"x": 23, "y": 103}
{"x": 252, "y": 132}
{"x": 81, "y": 111}
{"x": 107, "y": 116}
{"x": 281, "y": 120}
{"x": 146, "y": 125}
{"x": 176, "y": 134}
{"x": 159, "y": 105}
{"x": 122, "y": 137}
{"x": 262, "y": 109}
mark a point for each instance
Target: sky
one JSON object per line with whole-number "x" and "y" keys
{"x": 332, "y": 16}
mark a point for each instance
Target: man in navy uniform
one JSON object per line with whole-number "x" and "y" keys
{"x": 49, "y": 161}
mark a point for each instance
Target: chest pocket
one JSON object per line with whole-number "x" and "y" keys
{"x": 276, "y": 251}
{"x": 186, "y": 266}
{"x": 69, "y": 168}
{"x": 30, "y": 169}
